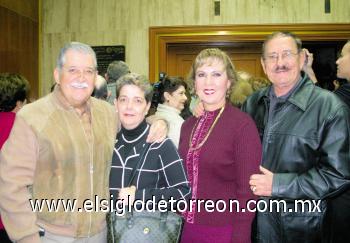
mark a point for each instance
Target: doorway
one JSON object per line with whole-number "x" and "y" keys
{"x": 172, "y": 49}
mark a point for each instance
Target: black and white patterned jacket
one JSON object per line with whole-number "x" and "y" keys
{"x": 161, "y": 173}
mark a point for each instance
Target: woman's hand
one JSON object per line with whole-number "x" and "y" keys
{"x": 307, "y": 67}
{"x": 127, "y": 194}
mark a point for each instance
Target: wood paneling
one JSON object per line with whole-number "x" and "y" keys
{"x": 162, "y": 38}
{"x": 245, "y": 56}
{"x": 19, "y": 46}
{"x": 25, "y": 8}
{"x": 121, "y": 22}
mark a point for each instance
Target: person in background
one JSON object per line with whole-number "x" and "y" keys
{"x": 339, "y": 205}
{"x": 115, "y": 70}
{"x": 337, "y": 83}
{"x": 305, "y": 134}
{"x": 307, "y": 67}
{"x": 343, "y": 72}
{"x": 242, "y": 88}
{"x": 100, "y": 89}
{"x": 221, "y": 149}
{"x": 60, "y": 148}
{"x": 259, "y": 83}
{"x": 161, "y": 174}
{"x": 240, "y": 93}
{"x": 172, "y": 95}
{"x": 14, "y": 90}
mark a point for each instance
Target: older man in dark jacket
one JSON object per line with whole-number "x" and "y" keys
{"x": 305, "y": 133}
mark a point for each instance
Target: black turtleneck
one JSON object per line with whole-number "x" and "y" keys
{"x": 160, "y": 174}
{"x": 129, "y": 138}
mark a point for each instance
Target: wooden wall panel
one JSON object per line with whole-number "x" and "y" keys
{"x": 246, "y": 57}
{"x": 120, "y": 22}
{"x": 19, "y": 46}
{"x": 25, "y": 8}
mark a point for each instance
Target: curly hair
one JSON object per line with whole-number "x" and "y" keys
{"x": 13, "y": 88}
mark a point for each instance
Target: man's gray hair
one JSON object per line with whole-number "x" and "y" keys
{"x": 76, "y": 46}
{"x": 117, "y": 69}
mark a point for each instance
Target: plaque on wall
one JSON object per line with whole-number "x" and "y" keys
{"x": 107, "y": 54}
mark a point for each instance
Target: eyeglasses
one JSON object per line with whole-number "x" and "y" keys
{"x": 76, "y": 72}
{"x": 285, "y": 55}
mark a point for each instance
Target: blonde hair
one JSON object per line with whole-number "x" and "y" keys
{"x": 259, "y": 83}
{"x": 208, "y": 56}
{"x": 240, "y": 93}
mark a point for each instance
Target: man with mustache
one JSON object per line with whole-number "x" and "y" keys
{"x": 305, "y": 135}
{"x": 60, "y": 148}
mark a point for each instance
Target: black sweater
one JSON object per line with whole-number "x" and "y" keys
{"x": 161, "y": 173}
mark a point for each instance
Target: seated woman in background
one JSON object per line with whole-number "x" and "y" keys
{"x": 172, "y": 95}
{"x": 221, "y": 150}
{"x": 13, "y": 94}
{"x": 161, "y": 173}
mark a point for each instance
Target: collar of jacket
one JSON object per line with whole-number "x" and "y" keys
{"x": 62, "y": 102}
{"x": 300, "y": 96}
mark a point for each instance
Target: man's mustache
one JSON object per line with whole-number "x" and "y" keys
{"x": 281, "y": 68}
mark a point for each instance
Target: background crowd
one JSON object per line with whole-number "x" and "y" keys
{"x": 280, "y": 137}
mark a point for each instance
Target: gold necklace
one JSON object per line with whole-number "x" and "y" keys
{"x": 206, "y": 136}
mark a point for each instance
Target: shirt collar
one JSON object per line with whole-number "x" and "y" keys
{"x": 62, "y": 101}
{"x": 298, "y": 96}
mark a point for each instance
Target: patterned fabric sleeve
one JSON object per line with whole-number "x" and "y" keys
{"x": 172, "y": 180}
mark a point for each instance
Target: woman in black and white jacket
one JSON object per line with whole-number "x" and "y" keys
{"x": 161, "y": 173}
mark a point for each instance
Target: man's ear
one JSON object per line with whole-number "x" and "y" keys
{"x": 302, "y": 59}
{"x": 263, "y": 64}
{"x": 56, "y": 75}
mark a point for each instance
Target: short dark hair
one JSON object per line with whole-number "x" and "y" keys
{"x": 138, "y": 80}
{"x": 13, "y": 88}
{"x": 274, "y": 35}
{"x": 170, "y": 85}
